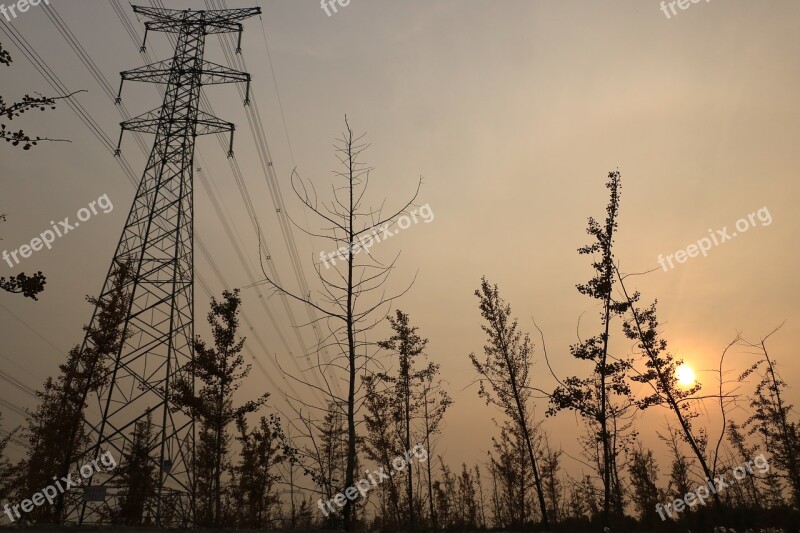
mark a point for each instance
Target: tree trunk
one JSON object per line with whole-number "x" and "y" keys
{"x": 430, "y": 479}
{"x": 351, "y": 347}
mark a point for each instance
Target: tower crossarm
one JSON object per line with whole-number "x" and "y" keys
{"x": 210, "y": 73}
{"x": 216, "y": 21}
{"x": 211, "y": 21}
{"x": 207, "y": 124}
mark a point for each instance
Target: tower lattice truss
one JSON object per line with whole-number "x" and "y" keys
{"x": 157, "y": 244}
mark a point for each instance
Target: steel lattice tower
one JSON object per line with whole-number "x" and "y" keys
{"x": 157, "y": 242}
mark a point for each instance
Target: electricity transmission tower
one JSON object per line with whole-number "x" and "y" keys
{"x": 157, "y": 244}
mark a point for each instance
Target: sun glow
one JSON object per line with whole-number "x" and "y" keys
{"x": 685, "y": 376}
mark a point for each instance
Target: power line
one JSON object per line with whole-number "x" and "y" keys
{"x": 275, "y": 83}
{"x": 58, "y": 350}
{"x": 256, "y": 128}
{"x": 15, "y": 441}
{"x": 8, "y": 378}
{"x": 265, "y": 158}
{"x": 14, "y": 407}
{"x": 20, "y": 367}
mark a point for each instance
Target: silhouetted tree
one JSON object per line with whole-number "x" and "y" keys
{"x": 507, "y": 369}
{"x": 405, "y": 396}
{"x": 641, "y": 326}
{"x": 28, "y": 286}
{"x": 553, "y": 486}
{"x": 644, "y": 491}
{"x": 510, "y": 466}
{"x": 745, "y": 452}
{"x": 382, "y": 443}
{"x": 435, "y": 401}
{"x": 8, "y": 471}
{"x": 466, "y": 501}
{"x": 444, "y": 490}
{"x": 263, "y": 448}
{"x": 55, "y": 430}
{"x": 680, "y": 473}
{"x": 9, "y": 111}
{"x": 602, "y": 398}
{"x": 481, "y": 500}
{"x": 324, "y": 459}
{"x": 220, "y": 370}
{"x": 353, "y": 290}
{"x": 138, "y": 471}
{"x": 771, "y": 417}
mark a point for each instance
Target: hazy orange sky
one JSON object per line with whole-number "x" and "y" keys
{"x": 513, "y": 112}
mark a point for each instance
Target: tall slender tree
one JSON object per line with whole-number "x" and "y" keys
{"x": 641, "y": 326}
{"x": 139, "y": 474}
{"x": 771, "y": 416}
{"x": 435, "y": 402}
{"x": 506, "y": 368}
{"x": 406, "y": 392}
{"x": 603, "y": 397}
{"x": 353, "y": 292}
{"x": 220, "y": 369}
{"x": 263, "y": 449}
{"x": 55, "y": 431}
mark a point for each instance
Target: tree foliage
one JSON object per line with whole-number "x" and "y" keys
{"x": 220, "y": 370}
{"x": 11, "y": 110}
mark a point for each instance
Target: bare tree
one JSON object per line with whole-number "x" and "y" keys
{"x": 352, "y": 299}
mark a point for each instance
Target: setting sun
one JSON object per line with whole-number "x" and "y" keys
{"x": 685, "y": 375}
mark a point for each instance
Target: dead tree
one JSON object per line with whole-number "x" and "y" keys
{"x": 352, "y": 298}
